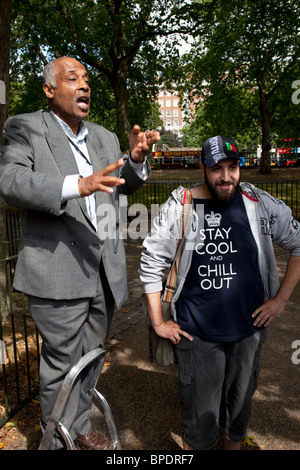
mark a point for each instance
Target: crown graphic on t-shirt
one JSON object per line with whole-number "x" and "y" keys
{"x": 213, "y": 220}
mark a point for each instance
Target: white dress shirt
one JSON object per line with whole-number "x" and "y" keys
{"x": 70, "y": 186}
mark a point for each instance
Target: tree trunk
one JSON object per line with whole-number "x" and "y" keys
{"x": 265, "y": 163}
{"x": 119, "y": 87}
{"x": 5, "y": 6}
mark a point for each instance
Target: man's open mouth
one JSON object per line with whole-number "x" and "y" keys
{"x": 83, "y": 102}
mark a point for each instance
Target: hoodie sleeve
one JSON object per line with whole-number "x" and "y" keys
{"x": 160, "y": 245}
{"x": 284, "y": 229}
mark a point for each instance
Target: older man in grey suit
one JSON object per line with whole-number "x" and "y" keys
{"x": 61, "y": 170}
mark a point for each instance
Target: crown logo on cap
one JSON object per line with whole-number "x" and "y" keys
{"x": 213, "y": 220}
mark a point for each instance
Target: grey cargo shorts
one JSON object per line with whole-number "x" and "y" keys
{"x": 216, "y": 385}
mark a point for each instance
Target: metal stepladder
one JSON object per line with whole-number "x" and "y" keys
{"x": 55, "y": 425}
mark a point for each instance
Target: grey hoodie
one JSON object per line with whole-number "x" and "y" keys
{"x": 271, "y": 221}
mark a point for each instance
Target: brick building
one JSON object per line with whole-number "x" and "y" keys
{"x": 173, "y": 116}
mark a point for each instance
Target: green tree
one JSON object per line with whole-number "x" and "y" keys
{"x": 116, "y": 39}
{"x": 244, "y": 65}
{"x": 226, "y": 110}
{"x": 5, "y": 6}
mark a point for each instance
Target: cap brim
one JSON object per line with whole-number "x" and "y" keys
{"x": 213, "y": 161}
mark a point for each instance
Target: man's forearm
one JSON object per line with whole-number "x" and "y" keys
{"x": 166, "y": 329}
{"x": 291, "y": 279}
{"x": 154, "y": 308}
{"x": 272, "y": 308}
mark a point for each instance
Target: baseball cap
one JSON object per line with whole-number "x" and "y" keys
{"x": 218, "y": 148}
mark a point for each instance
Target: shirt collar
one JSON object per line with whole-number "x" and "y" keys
{"x": 83, "y": 131}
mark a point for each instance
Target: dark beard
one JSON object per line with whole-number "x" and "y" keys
{"x": 216, "y": 196}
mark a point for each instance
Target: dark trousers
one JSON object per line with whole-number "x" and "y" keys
{"x": 70, "y": 329}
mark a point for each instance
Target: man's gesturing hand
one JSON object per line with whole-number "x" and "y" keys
{"x": 101, "y": 180}
{"x": 140, "y": 142}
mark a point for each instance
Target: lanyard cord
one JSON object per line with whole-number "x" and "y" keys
{"x": 79, "y": 151}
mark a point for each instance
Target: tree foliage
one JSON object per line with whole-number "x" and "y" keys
{"x": 243, "y": 66}
{"x": 118, "y": 40}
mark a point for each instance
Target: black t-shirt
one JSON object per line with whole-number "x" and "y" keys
{"x": 223, "y": 286}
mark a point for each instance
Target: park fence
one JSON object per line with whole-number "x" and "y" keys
{"x": 19, "y": 345}
{"x": 19, "y": 340}
{"x": 157, "y": 192}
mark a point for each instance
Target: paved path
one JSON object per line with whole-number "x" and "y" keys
{"x": 143, "y": 396}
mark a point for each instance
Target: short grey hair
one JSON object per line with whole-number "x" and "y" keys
{"x": 49, "y": 73}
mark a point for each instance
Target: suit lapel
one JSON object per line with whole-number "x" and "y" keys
{"x": 98, "y": 160}
{"x": 59, "y": 146}
{"x": 95, "y": 152}
{"x": 61, "y": 151}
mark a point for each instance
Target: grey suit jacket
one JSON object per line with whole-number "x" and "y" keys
{"x": 60, "y": 250}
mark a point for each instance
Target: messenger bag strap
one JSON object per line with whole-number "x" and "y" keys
{"x": 186, "y": 218}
